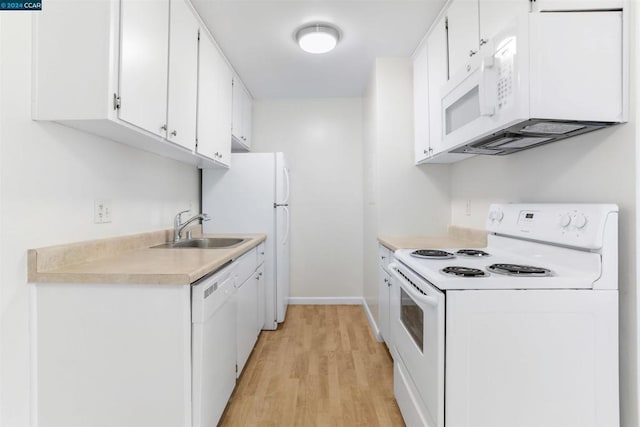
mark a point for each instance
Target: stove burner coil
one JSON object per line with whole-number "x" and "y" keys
{"x": 432, "y": 254}
{"x": 519, "y": 270}
{"x": 472, "y": 252}
{"x": 463, "y": 271}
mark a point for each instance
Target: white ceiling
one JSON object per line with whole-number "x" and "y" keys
{"x": 257, "y": 38}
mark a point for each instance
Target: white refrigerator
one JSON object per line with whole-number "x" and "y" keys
{"x": 252, "y": 196}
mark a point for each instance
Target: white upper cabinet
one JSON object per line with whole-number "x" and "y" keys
{"x": 564, "y": 5}
{"x": 247, "y": 118}
{"x": 214, "y": 103}
{"x": 463, "y": 33}
{"x": 225, "y": 109}
{"x": 183, "y": 75}
{"x": 144, "y": 56}
{"x": 494, "y": 14}
{"x": 454, "y": 39}
{"x": 430, "y": 73}
{"x": 472, "y": 23}
{"x": 242, "y": 114}
{"x": 127, "y": 70}
{"x": 421, "y": 104}
{"x": 438, "y": 74}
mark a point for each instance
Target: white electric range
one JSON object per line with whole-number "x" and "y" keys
{"x": 523, "y": 332}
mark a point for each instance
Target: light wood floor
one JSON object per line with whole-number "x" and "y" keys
{"x": 322, "y": 367}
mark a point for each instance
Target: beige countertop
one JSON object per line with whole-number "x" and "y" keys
{"x": 457, "y": 237}
{"x": 131, "y": 260}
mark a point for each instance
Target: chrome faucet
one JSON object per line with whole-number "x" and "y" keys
{"x": 179, "y": 226}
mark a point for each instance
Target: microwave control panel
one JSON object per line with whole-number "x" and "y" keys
{"x": 504, "y": 58}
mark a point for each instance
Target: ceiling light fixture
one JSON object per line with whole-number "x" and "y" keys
{"x": 317, "y": 38}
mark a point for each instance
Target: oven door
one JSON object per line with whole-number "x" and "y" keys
{"x": 417, "y": 327}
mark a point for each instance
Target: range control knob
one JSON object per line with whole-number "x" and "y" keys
{"x": 564, "y": 221}
{"x": 496, "y": 216}
{"x": 579, "y": 220}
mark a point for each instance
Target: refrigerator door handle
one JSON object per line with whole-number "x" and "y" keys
{"x": 288, "y": 183}
{"x": 287, "y": 227}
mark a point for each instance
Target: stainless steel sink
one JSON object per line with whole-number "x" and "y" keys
{"x": 204, "y": 243}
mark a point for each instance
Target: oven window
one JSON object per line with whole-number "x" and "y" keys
{"x": 412, "y": 318}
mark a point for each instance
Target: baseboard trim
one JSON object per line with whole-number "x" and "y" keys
{"x": 372, "y": 321}
{"x": 325, "y": 300}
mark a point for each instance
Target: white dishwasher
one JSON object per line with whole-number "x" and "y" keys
{"x": 214, "y": 345}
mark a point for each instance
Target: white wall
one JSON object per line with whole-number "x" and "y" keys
{"x": 636, "y": 76}
{"x": 322, "y": 140}
{"x": 49, "y": 178}
{"x": 594, "y": 168}
{"x": 400, "y": 198}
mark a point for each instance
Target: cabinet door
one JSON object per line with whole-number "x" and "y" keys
{"x": 495, "y": 14}
{"x": 183, "y": 75}
{"x": 421, "y": 105}
{"x": 383, "y": 310}
{"x": 224, "y": 110}
{"x": 564, "y": 5}
{"x": 259, "y": 276}
{"x": 207, "y": 98}
{"x": 242, "y": 112}
{"x": 437, "y": 72}
{"x": 247, "y": 116}
{"x": 247, "y": 314}
{"x": 463, "y": 33}
{"x": 144, "y": 56}
{"x": 238, "y": 107}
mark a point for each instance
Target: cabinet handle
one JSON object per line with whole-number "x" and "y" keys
{"x": 174, "y": 133}
{"x": 472, "y": 52}
{"x": 483, "y": 42}
{"x": 163, "y": 127}
{"x": 261, "y": 253}
{"x": 260, "y": 274}
{"x": 383, "y": 257}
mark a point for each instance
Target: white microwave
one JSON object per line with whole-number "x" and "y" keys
{"x": 543, "y": 78}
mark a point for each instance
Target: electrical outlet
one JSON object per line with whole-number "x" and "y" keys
{"x": 102, "y": 211}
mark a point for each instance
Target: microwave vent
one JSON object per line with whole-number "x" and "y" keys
{"x": 528, "y": 134}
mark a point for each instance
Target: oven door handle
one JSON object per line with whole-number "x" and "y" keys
{"x": 417, "y": 296}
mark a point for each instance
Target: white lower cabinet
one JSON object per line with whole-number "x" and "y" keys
{"x": 384, "y": 295}
{"x": 250, "y": 303}
{"x": 247, "y": 319}
{"x": 261, "y": 295}
{"x": 383, "y": 313}
{"x": 131, "y": 355}
{"x": 110, "y": 355}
